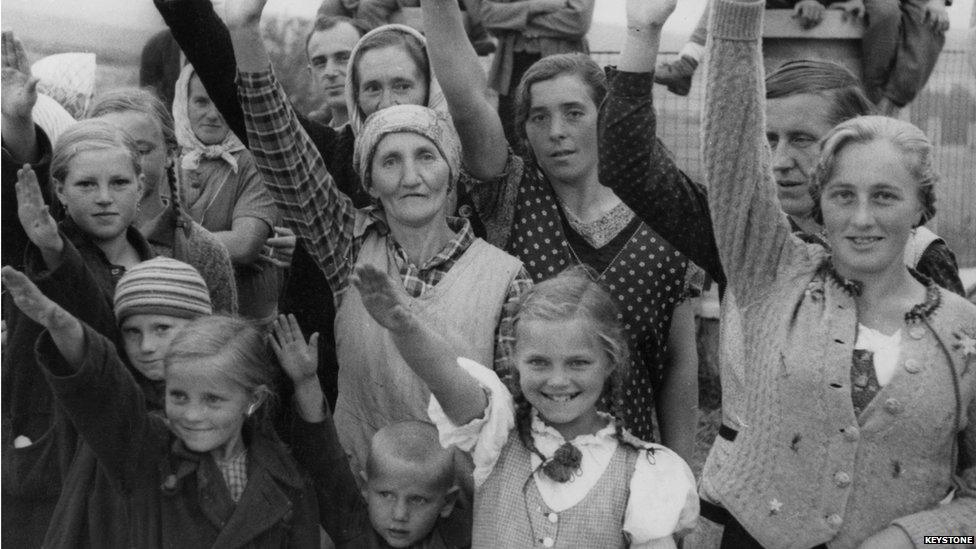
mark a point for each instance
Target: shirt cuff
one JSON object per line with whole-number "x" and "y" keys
{"x": 483, "y": 437}
{"x": 256, "y": 80}
{"x": 737, "y": 20}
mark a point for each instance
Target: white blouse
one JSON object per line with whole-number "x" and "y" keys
{"x": 885, "y": 348}
{"x": 663, "y": 496}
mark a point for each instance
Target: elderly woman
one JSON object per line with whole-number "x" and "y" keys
{"x": 859, "y": 382}
{"x": 408, "y": 159}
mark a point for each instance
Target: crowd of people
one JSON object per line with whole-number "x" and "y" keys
{"x": 459, "y": 310}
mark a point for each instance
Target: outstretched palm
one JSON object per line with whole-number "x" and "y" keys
{"x": 643, "y": 13}
{"x": 34, "y": 216}
{"x": 300, "y": 360}
{"x": 385, "y": 302}
{"x": 29, "y": 299}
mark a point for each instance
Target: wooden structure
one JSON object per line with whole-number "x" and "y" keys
{"x": 837, "y": 38}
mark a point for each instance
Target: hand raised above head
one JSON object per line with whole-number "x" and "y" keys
{"x": 385, "y": 301}
{"x": 645, "y": 13}
{"x": 937, "y": 16}
{"x": 299, "y": 360}
{"x": 14, "y": 55}
{"x": 241, "y": 13}
{"x": 19, "y": 93}
{"x": 32, "y": 302}
{"x": 34, "y": 215}
{"x": 809, "y": 13}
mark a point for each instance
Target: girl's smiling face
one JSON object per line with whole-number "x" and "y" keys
{"x": 563, "y": 370}
{"x": 101, "y": 192}
{"x": 207, "y": 410}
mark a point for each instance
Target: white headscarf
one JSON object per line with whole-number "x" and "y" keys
{"x": 192, "y": 148}
{"x": 435, "y": 97}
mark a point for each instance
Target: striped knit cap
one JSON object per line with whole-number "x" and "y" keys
{"x": 162, "y": 286}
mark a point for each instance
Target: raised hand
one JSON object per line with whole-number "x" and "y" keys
{"x": 809, "y": 13}
{"x": 33, "y": 303}
{"x": 645, "y": 13}
{"x": 300, "y": 360}
{"x": 19, "y": 93}
{"x": 238, "y": 14}
{"x": 34, "y": 215}
{"x": 14, "y": 55}
{"x": 385, "y": 301}
{"x": 936, "y": 16}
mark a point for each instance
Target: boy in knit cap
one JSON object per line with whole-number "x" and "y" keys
{"x": 153, "y": 300}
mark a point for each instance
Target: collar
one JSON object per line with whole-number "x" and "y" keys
{"x": 455, "y": 247}
{"x": 81, "y": 240}
{"x": 548, "y": 438}
{"x": 262, "y": 451}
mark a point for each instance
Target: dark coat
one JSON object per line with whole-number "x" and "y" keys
{"x": 83, "y": 284}
{"x": 170, "y": 496}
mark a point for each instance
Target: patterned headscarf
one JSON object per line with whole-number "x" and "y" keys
{"x": 192, "y": 148}
{"x": 424, "y": 121}
{"x": 435, "y": 97}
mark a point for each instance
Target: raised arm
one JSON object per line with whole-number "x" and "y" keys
{"x": 751, "y": 231}
{"x": 427, "y": 353}
{"x": 637, "y": 166}
{"x": 82, "y": 367}
{"x": 206, "y": 42}
{"x": 465, "y": 85}
{"x": 293, "y": 170}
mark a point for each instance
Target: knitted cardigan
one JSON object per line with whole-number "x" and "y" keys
{"x": 806, "y": 470}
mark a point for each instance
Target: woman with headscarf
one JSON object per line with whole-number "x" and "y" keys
{"x": 206, "y": 43}
{"x": 222, "y": 190}
{"x": 408, "y": 158}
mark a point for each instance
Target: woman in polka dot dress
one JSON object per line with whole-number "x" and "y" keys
{"x": 549, "y": 209}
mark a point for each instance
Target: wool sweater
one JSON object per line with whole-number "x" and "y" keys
{"x": 806, "y": 470}
{"x": 174, "y": 234}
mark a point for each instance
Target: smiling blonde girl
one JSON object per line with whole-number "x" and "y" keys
{"x": 553, "y": 466}
{"x": 211, "y": 472}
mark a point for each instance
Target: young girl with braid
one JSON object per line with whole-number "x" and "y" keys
{"x": 162, "y": 220}
{"x": 545, "y": 443}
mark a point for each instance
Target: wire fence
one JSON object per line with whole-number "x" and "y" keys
{"x": 945, "y": 110}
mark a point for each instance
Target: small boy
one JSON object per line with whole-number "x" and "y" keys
{"x": 409, "y": 489}
{"x": 409, "y": 486}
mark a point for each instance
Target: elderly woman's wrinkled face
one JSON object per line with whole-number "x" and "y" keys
{"x": 388, "y": 76}
{"x": 410, "y": 178}
{"x": 870, "y": 205}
